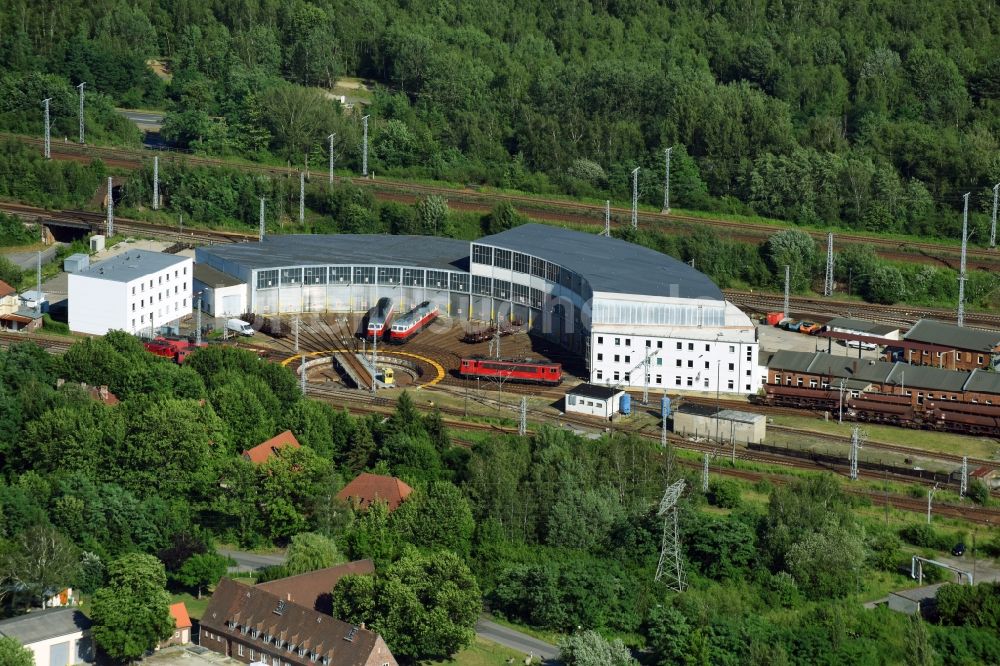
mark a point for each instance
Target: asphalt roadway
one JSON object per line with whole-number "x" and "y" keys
{"x": 491, "y": 631}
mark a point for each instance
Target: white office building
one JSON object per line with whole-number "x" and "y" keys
{"x": 137, "y": 291}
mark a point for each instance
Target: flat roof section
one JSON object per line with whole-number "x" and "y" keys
{"x": 608, "y": 264}
{"x": 709, "y": 411}
{"x": 131, "y": 265}
{"x": 214, "y": 278}
{"x": 956, "y": 337}
{"x": 594, "y": 392}
{"x": 347, "y": 249}
{"x": 861, "y": 326}
{"x": 41, "y": 625}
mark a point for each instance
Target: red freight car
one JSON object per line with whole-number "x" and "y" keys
{"x": 175, "y": 350}
{"x": 528, "y": 371}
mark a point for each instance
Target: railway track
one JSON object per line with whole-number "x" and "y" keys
{"x": 903, "y": 315}
{"x": 564, "y": 210}
{"x": 50, "y": 344}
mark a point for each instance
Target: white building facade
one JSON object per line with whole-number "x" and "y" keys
{"x": 55, "y": 636}
{"x": 137, "y": 291}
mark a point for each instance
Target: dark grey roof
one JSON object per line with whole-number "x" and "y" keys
{"x": 882, "y": 372}
{"x": 131, "y": 265}
{"x": 956, "y": 337}
{"x": 983, "y": 382}
{"x": 594, "y": 391}
{"x": 361, "y": 249}
{"x": 44, "y": 624}
{"x": 860, "y": 326}
{"x": 214, "y": 278}
{"x": 709, "y": 411}
{"x": 608, "y": 264}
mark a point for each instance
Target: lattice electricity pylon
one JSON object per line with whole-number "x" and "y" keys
{"x": 858, "y": 437}
{"x": 704, "y": 474}
{"x": 671, "y": 568}
{"x": 965, "y": 476}
{"x": 828, "y": 282}
{"x": 522, "y": 424}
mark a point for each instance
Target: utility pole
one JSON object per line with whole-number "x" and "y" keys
{"x": 156, "y": 182}
{"x": 260, "y": 234}
{"x": 331, "y": 156}
{"x": 645, "y": 383}
{"x": 38, "y": 284}
{"x": 704, "y": 474}
{"x": 993, "y": 225}
{"x": 930, "y": 498}
{"x": 840, "y": 415}
{"x": 82, "y": 84}
{"x": 663, "y": 428}
{"x": 197, "y": 323}
{"x": 788, "y": 282}
{"x": 828, "y": 283}
{"x": 607, "y": 217}
{"x": 302, "y": 375}
{"x": 374, "y": 363}
{"x": 111, "y": 208}
{"x": 961, "y": 270}
{"x": 965, "y": 476}
{"x": 855, "y": 446}
{"x": 296, "y": 334}
{"x": 666, "y": 183}
{"x": 635, "y": 198}
{"x": 364, "y": 147}
{"x": 302, "y": 197}
{"x": 48, "y": 137}
{"x": 522, "y": 425}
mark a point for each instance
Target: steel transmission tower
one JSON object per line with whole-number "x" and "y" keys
{"x": 857, "y": 437}
{"x": 260, "y": 234}
{"x": 961, "y": 271}
{"x": 48, "y": 137}
{"x": 156, "y": 182}
{"x": 82, "y": 84}
{"x": 788, "y": 283}
{"x": 197, "y": 330}
{"x": 522, "y": 424}
{"x": 930, "y": 499}
{"x": 302, "y": 375}
{"x": 704, "y": 474}
{"x": 111, "y": 208}
{"x": 331, "y": 156}
{"x": 364, "y": 146}
{"x": 670, "y": 568}
{"x": 993, "y": 225}
{"x": 607, "y": 217}
{"x": 635, "y": 198}
{"x": 302, "y": 197}
{"x": 666, "y": 183}
{"x": 663, "y": 428}
{"x": 965, "y": 476}
{"x": 828, "y": 284}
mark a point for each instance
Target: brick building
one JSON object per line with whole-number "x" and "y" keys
{"x": 249, "y": 624}
{"x": 822, "y": 370}
{"x": 969, "y": 348}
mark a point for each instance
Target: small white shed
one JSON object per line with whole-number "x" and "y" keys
{"x": 222, "y": 295}
{"x": 593, "y": 400}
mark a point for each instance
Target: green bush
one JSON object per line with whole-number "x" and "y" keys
{"x": 925, "y": 536}
{"x": 52, "y": 326}
{"x": 724, "y": 494}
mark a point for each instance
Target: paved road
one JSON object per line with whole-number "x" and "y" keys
{"x": 251, "y": 561}
{"x": 152, "y": 120}
{"x": 28, "y": 260}
{"x": 516, "y": 640}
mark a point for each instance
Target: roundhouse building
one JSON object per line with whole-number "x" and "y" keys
{"x": 613, "y": 302}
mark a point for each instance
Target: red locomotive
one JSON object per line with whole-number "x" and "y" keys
{"x": 175, "y": 350}
{"x": 527, "y": 370}
{"x": 411, "y": 323}
{"x": 379, "y": 319}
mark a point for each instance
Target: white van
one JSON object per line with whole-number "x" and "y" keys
{"x": 864, "y": 345}
{"x": 239, "y": 327}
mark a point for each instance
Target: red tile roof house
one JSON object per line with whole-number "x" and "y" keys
{"x": 314, "y": 588}
{"x": 263, "y": 452}
{"x": 367, "y": 488}
{"x": 249, "y": 625}
{"x": 182, "y": 626}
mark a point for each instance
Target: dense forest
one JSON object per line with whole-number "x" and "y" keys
{"x": 552, "y": 530}
{"x": 870, "y": 115}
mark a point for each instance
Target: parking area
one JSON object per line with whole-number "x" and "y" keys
{"x": 774, "y": 339}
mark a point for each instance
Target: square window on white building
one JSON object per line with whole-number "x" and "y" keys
{"x": 659, "y": 344}
{"x": 600, "y": 339}
{"x": 649, "y": 343}
{"x": 617, "y": 358}
{"x": 659, "y": 379}
{"x": 600, "y": 374}
{"x": 628, "y": 359}
{"x": 628, "y": 342}
{"x": 708, "y": 347}
{"x": 600, "y": 357}
{"x": 707, "y": 365}
{"x": 690, "y": 364}
{"x": 616, "y": 376}
{"x": 690, "y": 382}
{"x": 679, "y": 363}
{"x": 706, "y": 382}
{"x": 748, "y": 387}
{"x": 680, "y": 345}
{"x": 677, "y": 381}
{"x": 732, "y": 349}
{"x": 690, "y": 346}
{"x": 732, "y": 366}
{"x": 730, "y": 384}
{"x": 618, "y": 342}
